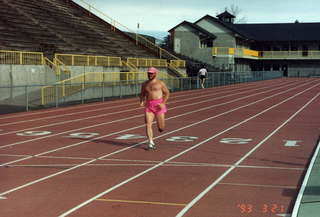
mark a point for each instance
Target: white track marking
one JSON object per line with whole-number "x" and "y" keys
{"x": 119, "y": 120}
{"x": 123, "y": 111}
{"x": 106, "y": 103}
{"x": 119, "y": 106}
{"x": 305, "y": 182}
{"x": 193, "y": 147}
{"x": 161, "y": 163}
{"x": 259, "y": 186}
{"x": 213, "y": 184}
{"x": 172, "y": 164}
{"x": 73, "y": 145}
{"x": 114, "y": 133}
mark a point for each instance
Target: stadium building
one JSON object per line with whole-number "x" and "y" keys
{"x": 293, "y": 48}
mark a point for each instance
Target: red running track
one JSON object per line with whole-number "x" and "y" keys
{"x": 230, "y": 151}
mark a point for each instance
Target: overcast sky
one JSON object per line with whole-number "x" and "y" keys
{"x": 162, "y": 15}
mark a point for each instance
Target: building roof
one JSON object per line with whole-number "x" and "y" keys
{"x": 281, "y": 31}
{"x": 197, "y": 28}
{"x": 267, "y": 31}
{"x": 226, "y": 14}
{"x": 229, "y": 26}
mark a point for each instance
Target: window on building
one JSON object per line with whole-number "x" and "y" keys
{"x": 206, "y": 43}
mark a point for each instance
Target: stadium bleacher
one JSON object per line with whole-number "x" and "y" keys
{"x": 62, "y": 26}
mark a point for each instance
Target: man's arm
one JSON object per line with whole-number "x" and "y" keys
{"x": 142, "y": 94}
{"x": 165, "y": 92}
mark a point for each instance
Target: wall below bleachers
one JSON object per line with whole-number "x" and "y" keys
{"x": 79, "y": 70}
{"x": 14, "y": 78}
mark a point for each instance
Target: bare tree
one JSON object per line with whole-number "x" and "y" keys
{"x": 235, "y": 10}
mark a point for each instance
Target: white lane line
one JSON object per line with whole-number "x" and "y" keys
{"x": 259, "y": 186}
{"x": 135, "y": 109}
{"x": 203, "y": 193}
{"x": 107, "y": 103}
{"x": 183, "y": 164}
{"x": 161, "y": 163}
{"x": 305, "y": 182}
{"x": 187, "y": 113}
{"x": 193, "y": 147}
{"x": 2, "y": 198}
{"x": 125, "y": 130}
{"x": 125, "y": 105}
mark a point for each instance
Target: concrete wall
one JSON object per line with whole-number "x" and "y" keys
{"x": 78, "y": 70}
{"x": 19, "y": 76}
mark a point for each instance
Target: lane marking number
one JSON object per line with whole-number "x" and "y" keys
{"x": 235, "y": 141}
{"x": 291, "y": 143}
{"x": 82, "y": 135}
{"x": 34, "y": 133}
{"x": 130, "y": 136}
{"x": 182, "y": 139}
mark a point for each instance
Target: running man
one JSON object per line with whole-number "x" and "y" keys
{"x": 203, "y": 75}
{"x": 154, "y": 96}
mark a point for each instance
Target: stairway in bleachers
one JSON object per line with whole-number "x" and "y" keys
{"x": 61, "y": 26}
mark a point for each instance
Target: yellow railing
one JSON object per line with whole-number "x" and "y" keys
{"x": 75, "y": 84}
{"x": 239, "y": 52}
{"x": 178, "y": 63}
{"x": 131, "y": 67}
{"x": 145, "y": 62}
{"x": 78, "y": 83}
{"x": 248, "y": 53}
{"x": 53, "y": 66}
{"x": 21, "y": 57}
{"x": 86, "y": 60}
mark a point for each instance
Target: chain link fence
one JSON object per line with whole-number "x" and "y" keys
{"x": 30, "y": 97}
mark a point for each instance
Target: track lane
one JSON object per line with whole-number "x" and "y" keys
{"x": 79, "y": 108}
{"x": 56, "y": 120}
{"x": 99, "y": 106}
{"x": 135, "y": 187}
{"x": 16, "y": 140}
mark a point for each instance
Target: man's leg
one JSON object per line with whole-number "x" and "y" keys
{"x": 149, "y": 117}
{"x": 160, "y": 122}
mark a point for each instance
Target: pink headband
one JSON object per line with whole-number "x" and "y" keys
{"x": 152, "y": 70}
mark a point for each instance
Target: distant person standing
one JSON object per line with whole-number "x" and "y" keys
{"x": 154, "y": 96}
{"x": 203, "y": 75}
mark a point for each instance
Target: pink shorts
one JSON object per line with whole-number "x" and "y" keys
{"x": 153, "y": 106}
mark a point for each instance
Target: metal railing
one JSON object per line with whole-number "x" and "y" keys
{"x": 86, "y": 60}
{"x": 248, "y": 53}
{"x": 21, "y": 57}
{"x": 146, "y": 62}
{"x": 101, "y": 86}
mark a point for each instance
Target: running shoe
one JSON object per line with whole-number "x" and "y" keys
{"x": 151, "y": 146}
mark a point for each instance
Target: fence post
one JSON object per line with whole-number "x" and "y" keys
{"x": 27, "y": 98}
{"x": 57, "y": 97}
